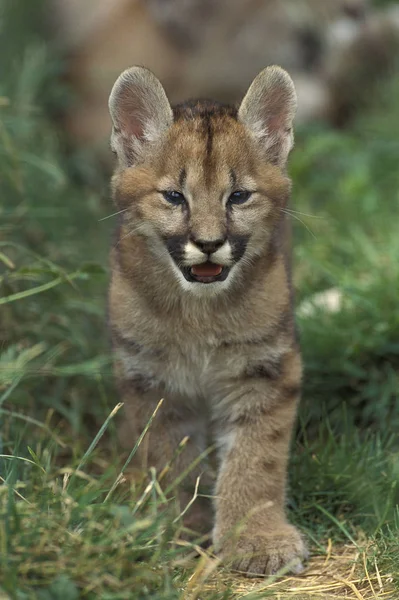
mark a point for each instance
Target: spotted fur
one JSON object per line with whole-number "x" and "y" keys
{"x": 222, "y": 353}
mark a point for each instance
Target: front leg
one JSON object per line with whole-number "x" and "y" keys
{"x": 251, "y": 530}
{"x": 159, "y": 448}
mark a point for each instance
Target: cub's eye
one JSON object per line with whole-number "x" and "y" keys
{"x": 175, "y": 198}
{"x": 239, "y": 197}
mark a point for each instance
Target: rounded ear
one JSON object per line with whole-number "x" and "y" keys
{"x": 268, "y": 110}
{"x": 140, "y": 113}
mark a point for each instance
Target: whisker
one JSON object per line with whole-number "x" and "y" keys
{"x": 290, "y": 210}
{"x": 131, "y": 232}
{"x": 113, "y": 215}
{"x": 300, "y": 220}
{"x": 247, "y": 260}
{"x": 165, "y": 252}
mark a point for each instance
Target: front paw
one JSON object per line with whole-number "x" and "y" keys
{"x": 259, "y": 554}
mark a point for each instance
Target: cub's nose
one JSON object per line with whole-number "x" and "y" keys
{"x": 209, "y": 246}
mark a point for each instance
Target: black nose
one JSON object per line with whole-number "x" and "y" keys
{"x": 209, "y": 246}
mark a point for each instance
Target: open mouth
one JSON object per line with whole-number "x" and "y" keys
{"x": 207, "y": 272}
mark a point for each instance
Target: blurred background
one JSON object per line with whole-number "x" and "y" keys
{"x": 336, "y": 50}
{"x": 58, "y": 62}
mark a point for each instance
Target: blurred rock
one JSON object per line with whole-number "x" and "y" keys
{"x": 356, "y": 67}
{"x": 214, "y": 48}
{"x": 328, "y": 301}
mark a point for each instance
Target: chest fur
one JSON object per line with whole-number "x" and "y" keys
{"x": 195, "y": 370}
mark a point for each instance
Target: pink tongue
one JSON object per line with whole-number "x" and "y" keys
{"x": 206, "y": 270}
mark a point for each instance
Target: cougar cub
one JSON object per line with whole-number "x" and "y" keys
{"x": 200, "y": 299}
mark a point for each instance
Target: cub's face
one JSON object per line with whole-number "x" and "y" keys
{"x": 207, "y": 189}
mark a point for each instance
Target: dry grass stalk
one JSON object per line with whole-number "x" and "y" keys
{"x": 342, "y": 573}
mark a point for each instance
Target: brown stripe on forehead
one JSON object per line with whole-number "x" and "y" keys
{"x": 199, "y": 108}
{"x": 206, "y": 119}
{"x": 208, "y": 136}
{"x": 182, "y": 178}
{"x": 233, "y": 179}
{"x": 209, "y": 133}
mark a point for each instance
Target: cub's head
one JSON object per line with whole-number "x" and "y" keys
{"x": 203, "y": 184}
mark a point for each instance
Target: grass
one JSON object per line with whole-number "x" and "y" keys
{"x": 71, "y": 525}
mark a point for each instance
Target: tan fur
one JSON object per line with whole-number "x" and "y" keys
{"x": 223, "y": 354}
